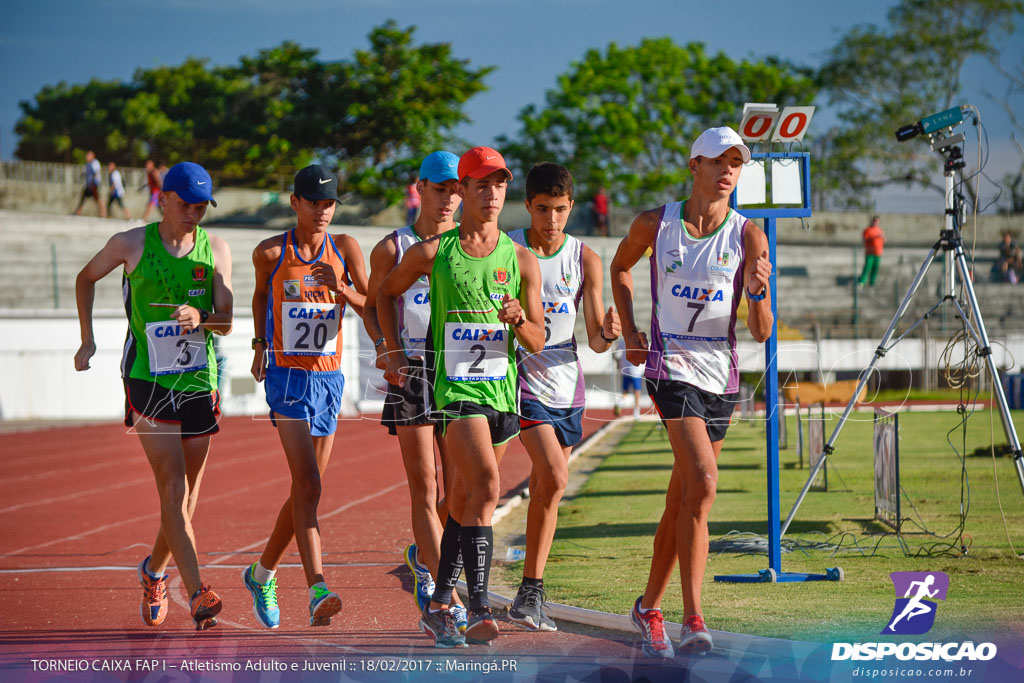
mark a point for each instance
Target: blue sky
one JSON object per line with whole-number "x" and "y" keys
{"x": 530, "y": 42}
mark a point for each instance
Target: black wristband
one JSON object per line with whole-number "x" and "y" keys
{"x": 203, "y": 316}
{"x": 258, "y": 340}
{"x": 520, "y": 323}
{"x": 377, "y": 343}
{"x": 610, "y": 341}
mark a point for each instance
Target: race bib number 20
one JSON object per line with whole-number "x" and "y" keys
{"x": 309, "y": 329}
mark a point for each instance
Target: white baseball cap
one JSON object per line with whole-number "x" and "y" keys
{"x": 713, "y": 142}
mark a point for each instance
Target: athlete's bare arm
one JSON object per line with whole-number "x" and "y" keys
{"x": 355, "y": 274}
{"x": 382, "y": 260}
{"x": 598, "y": 328}
{"x": 264, "y": 257}
{"x": 220, "y": 319}
{"x": 417, "y": 261}
{"x": 638, "y": 240}
{"x": 527, "y": 306}
{"x": 122, "y": 249}
{"x": 757, "y": 268}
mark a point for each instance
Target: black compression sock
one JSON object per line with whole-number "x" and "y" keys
{"x": 449, "y": 565}
{"x": 477, "y": 543}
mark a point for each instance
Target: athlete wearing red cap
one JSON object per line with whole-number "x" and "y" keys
{"x": 484, "y": 292}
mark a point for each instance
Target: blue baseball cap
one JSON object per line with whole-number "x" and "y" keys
{"x": 191, "y": 182}
{"x": 438, "y": 167}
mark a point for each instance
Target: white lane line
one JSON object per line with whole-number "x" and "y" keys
{"x": 320, "y": 517}
{"x": 114, "y": 568}
{"x": 211, "y": 466}
{"x": 105, "y": 527}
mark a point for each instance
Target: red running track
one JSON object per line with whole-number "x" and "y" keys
{"x": 79, "y": 511}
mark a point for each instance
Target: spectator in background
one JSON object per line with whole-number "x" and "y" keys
{"x": 874, "y": 240}
{"x": 154, "y": 182}
{"x": 600, "y": 210}
{"x": 1001, "y": 270}
{"x": 92, "y": 184}
{"x": 412, "y": 202}
{"x": 116, "y": 190}
{"x": 1012, "y": 268}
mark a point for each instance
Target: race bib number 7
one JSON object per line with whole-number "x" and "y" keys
{"x": 172, "y": 350}
{"x": 309, "y": 329}
{"x": 476, "y": 352}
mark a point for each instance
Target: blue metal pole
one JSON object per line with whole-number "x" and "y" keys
{"x": 771, "y": 389}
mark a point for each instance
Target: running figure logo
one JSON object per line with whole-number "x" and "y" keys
{"x": 914, "y": 613}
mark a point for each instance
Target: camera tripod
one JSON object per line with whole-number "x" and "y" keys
{"x": 950, "y": 244}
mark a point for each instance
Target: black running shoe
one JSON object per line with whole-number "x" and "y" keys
{"x": 527, "y": 610}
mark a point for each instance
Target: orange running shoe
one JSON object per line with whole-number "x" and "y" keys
{"x": 205, "y": 605}
{"x": 154, "y": 596}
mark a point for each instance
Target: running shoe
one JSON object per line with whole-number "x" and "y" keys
{"x": 205, "y": 605}
{"x": 652, "y": 629}
{"x": 440, "y": 626}
{"x": 481, "y": 627}
{"x": 695, "y": 637}
{"x": 527, "y": 610}
{"x": 323, "y": 606}
{"x": 460, "y": 616}
{"x": 154, "y": 596}
{"x": 264, "y": 598}
{"x": 423, "y": 582}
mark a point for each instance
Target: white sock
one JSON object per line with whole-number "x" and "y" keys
{"x": 262, "y": 574}
{"x": 645, "y": 611}
{"x": 312, "y": 589}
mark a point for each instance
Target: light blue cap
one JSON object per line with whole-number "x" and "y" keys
{"x": 438, "y": 167}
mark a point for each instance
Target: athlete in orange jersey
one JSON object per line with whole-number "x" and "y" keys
{"x": 304, "y": 280}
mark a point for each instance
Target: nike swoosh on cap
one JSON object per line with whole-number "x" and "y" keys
{"x": 490, "y": 157}
{"x": 325, "y": 181}
{"x": 200, "y": 182}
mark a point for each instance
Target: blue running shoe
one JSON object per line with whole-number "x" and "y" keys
{"x": 324, "y": 605}
{"x": 460, "y": 616}
{"x": 264, "y": 598}
{"x": 423, "y": 582}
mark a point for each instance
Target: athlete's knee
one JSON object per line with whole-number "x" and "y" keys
{"x": 423, "y": 491}
{"x": 549, "y": 486}
{"x": 173, "y": 492}
{"x": 699, "y": 495}
{"x": 306, "y": 490}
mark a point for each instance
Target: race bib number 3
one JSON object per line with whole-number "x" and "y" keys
{"x": 172, "y": 350}
{"x": 309, "y": 329}
{"x": 476, "y": 352}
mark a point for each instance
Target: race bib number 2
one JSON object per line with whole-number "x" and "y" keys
{"x": 476, "y": 352}
{"x": 309, "y": 329}
{"x": 172, "y": 350}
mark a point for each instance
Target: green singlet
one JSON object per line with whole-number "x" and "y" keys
{"x": 475, "y": 355}
{"x": 157, "y": 349}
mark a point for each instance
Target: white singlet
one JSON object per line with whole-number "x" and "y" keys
{"x": 414, "y": 305}
{"x": 696, "y": 287}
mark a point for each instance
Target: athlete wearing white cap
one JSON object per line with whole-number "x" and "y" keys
{"x": 706, "y": 257}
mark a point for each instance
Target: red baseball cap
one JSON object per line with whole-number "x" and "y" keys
{"x": 480, "y": 162}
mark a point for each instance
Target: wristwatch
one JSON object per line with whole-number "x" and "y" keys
{"x": 203, "y": 316}
{"x": 757, "y": 297}
{"x": 258, "y": 340}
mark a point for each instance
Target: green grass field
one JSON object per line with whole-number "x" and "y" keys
{"x": 602, "y": 550}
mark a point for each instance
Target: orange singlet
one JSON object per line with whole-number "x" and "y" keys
{"x": 303, "y": 322}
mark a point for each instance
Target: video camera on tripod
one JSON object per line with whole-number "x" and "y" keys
{"x": 932, "y": 126}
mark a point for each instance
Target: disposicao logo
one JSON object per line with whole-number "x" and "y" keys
{"x": 914, "y": 614}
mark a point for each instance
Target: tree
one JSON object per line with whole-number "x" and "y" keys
{"x": 1012, "y": 92}
{"x": 625, "y": 117}
{"x": 881, "y": 79}
{"x": 255, "y": 123}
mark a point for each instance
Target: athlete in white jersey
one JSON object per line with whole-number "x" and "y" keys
{"x": 551, "y": 382}
{"x": 407, "y": 408}
{"x": 704, "y": 257}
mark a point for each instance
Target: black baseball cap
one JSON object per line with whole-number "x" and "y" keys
{"x": 315, "y": 183}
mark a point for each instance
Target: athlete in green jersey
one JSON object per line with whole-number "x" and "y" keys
{"x": 178, "y": 292}
{"x": 483, "y": 290}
